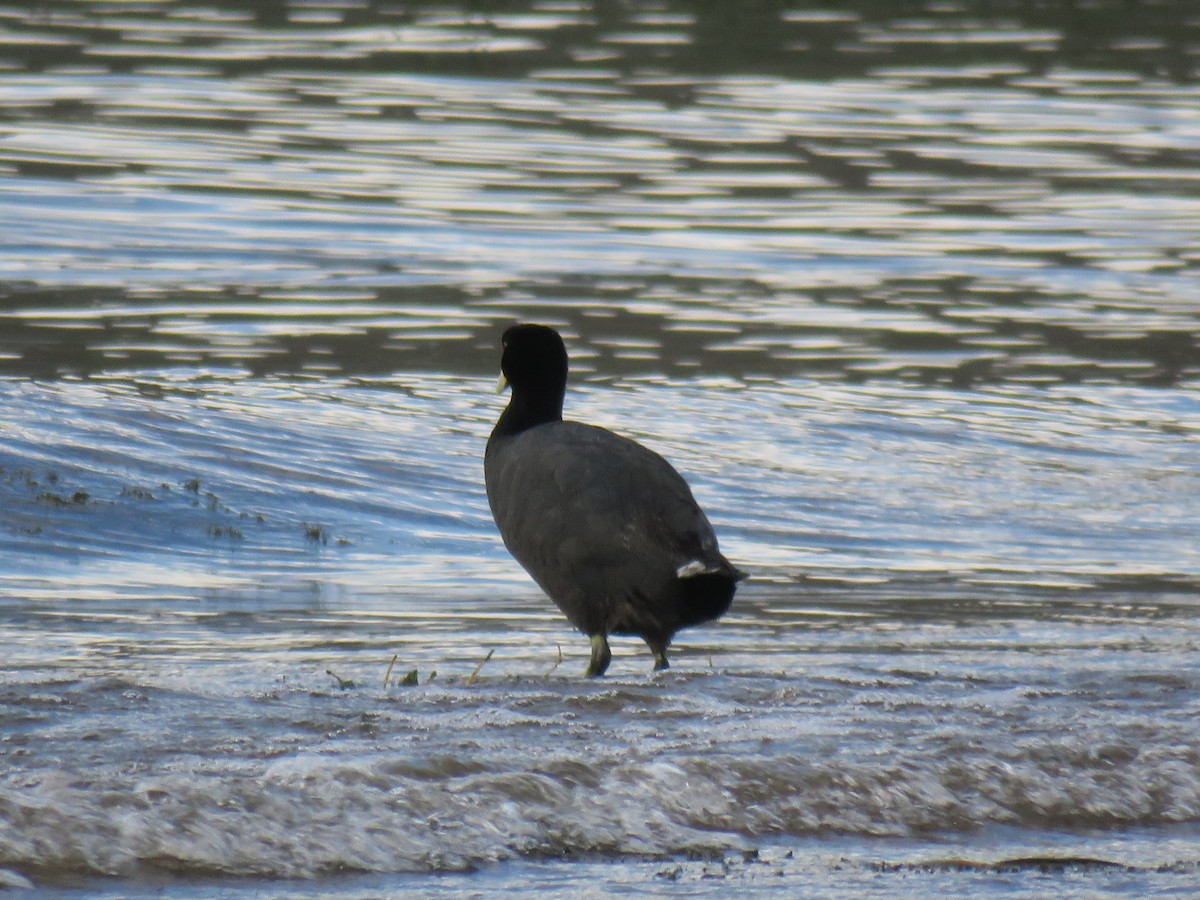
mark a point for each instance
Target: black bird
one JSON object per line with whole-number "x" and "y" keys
{"x": 605, "y": 527}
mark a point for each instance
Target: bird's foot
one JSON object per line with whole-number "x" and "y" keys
{"x": 600, "y": 656}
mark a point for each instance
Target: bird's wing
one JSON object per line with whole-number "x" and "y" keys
{"x": 600, "y": 498}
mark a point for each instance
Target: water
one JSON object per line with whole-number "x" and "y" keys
{"x": 908, "y": 291}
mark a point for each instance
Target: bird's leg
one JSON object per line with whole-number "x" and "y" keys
{"x": 600, "y": 656}
{"x": 659, "y": 649}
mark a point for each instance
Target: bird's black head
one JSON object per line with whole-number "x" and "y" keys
{"x": 534, "y": 365}
{"x": 534, "y": 360}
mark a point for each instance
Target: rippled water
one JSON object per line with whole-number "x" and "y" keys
{"x": 908, "y": 291}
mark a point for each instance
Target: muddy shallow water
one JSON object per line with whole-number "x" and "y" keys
{"x": 908, "y": 292}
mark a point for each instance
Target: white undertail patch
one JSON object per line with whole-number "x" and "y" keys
{"x": 695, "y": 567}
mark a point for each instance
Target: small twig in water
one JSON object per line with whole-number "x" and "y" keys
{"x": 471, "y": 677}
{"x": 343, "y": 683}
{"x": 388, "y": 674}
{"x": 557, "y": 662}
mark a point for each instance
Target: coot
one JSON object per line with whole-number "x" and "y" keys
{"x": 608, "y": 529}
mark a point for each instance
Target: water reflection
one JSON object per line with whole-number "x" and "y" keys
{"x": 907, "y": 290}
{"x": 955, "y": 195}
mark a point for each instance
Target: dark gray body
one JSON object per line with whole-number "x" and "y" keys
{"x": 604, "y": 526}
